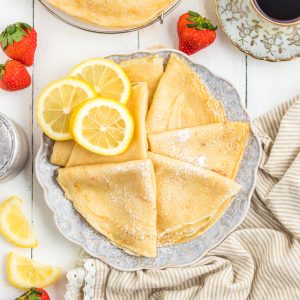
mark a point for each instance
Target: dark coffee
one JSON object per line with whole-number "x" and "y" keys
{"x": 283, "y": 10}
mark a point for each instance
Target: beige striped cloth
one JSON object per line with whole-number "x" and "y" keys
{"x": 259, "y": 261}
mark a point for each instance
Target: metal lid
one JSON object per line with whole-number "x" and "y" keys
{"x": 7, "y": 145}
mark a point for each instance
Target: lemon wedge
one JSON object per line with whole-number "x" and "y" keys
{"x": 25, "y": 273}
{"x": 56, "y": 103}
{"x": 14, "y": 225}
{"x": 102, "y": 126}
{"x": 108, "y": 78}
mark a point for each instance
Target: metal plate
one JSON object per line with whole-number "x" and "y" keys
{"x": 98, "y": 29}
{"x": 77, "y": 230}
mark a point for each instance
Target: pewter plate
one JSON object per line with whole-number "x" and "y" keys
{"x": 77, "y": 230}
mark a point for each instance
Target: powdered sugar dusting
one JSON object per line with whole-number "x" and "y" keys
{"x": 184, "y": 135}
{"x": 201, "y": 160}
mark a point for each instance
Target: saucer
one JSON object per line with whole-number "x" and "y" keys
{"x": 254, "y": 35}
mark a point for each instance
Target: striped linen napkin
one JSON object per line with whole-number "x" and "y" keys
{"x": 260, "y": 260}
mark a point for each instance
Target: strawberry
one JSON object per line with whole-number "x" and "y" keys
{"x": 195, "y": 32}
{"x": 34, "y": 294}
{"x": 19, "y": 42}
{"x": 14, "y": 76}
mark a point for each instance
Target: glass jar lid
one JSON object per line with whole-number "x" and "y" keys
{"x": 7, "y": 146}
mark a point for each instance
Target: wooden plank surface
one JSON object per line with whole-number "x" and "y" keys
{"x": 260, "y": 84}
{"x": 18, "y": 107}
{"x": 271, "y": 83}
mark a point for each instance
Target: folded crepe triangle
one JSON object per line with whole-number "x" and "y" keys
{"x": 218, "y": 147}
{"x": 118, "y": 200}
{"x": 61, "y": 152}
{"x": 192, "y": 231}
{"x": 145, "y": 69}
{"x": 117, "y": 13}
{"x": 137, "y": 105}
{"x": 189, "y": 199}
{"x": 182, "y": 100}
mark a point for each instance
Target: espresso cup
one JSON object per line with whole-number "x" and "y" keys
{"x": 279, "y": 12}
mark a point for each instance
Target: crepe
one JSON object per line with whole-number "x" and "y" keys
{"x": 118, "y": 200}
{"x": 61, "y": 152}
{"x": 192, "y": 231}
{"x": 188, "y": 198}
{"x": 138, "y": 106}
{"x": 218, "y": 147}
{"x": 117, "y": 13}
{"x": 182, "y": 100}
{"x": 145, "y": 69}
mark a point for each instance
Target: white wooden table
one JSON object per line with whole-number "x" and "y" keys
{"x": 260, "y": 84}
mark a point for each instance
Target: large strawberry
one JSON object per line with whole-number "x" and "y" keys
{"x": 14, "y": 76}
{"x": 19, "y": 42}
{"x": 195, "y": 32}
{"x": 34, "y": 294}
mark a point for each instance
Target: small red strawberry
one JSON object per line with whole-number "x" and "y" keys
{"x": 34, "y": 294}
{"x": 14, "y": 76}
{"x": 19, "y": 42}
{"x": 195, "y": 32}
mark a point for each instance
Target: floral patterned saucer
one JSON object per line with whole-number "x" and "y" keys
{"x": 256, "y": 36}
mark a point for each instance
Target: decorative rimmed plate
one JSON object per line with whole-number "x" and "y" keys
{"x": 98, "y": 29}
{"x": 77, "y": 230}
{"x": 254, "y": 35}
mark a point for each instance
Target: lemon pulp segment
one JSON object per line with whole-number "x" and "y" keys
{"x": 102, "y": 126}
{"x": 108, "y": 78}
{"x": 56, "y": 104}
{"x": 25, "y": 273}
{"x": 14, "y": 225}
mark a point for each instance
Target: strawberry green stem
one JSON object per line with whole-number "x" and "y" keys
{"x": 14, "y": 33}
{"x": 199, "y": 22}
{"x": 2, "y": 70}
{"x": 32, "y": 294}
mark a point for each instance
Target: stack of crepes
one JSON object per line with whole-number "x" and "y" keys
{"x": 117, "y": 13}
{"x": 176, "y": 178}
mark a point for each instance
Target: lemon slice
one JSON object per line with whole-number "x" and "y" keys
{"x": 108, "y": 78}
{"x": 56, "y": 103}
{"x": 102, "y": 126}
{"x": 25, "y": 273}
{"x": 14, "y": 225}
